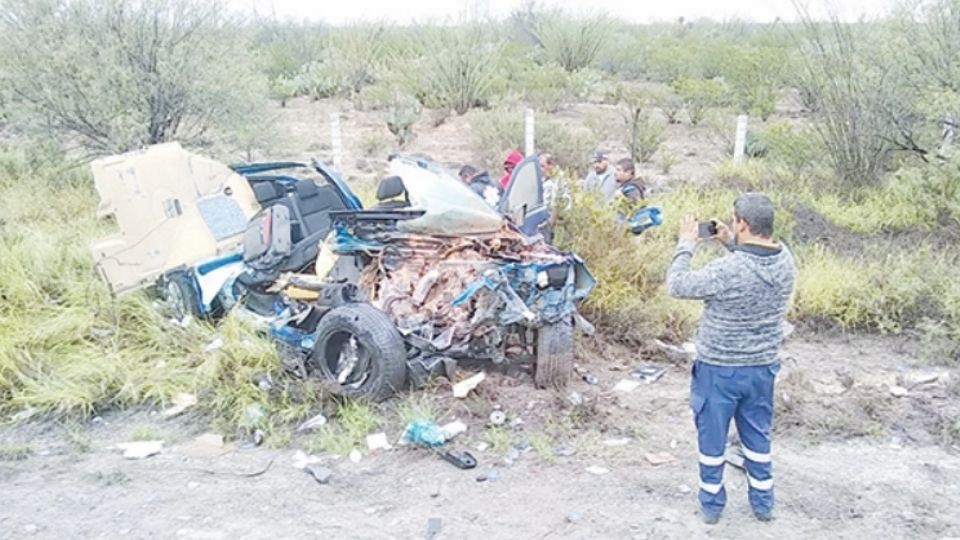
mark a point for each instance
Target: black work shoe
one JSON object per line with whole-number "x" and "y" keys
{"x": 710, "y": 518}
{"x": 763, "y": 516}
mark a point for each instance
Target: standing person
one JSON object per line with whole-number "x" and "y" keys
{"x": 601, "y": 178}
{"x": 554, "y": 185}
{"x": 738, "y": 343}
{"x": 509, "y": 164}
{"x": 628, "y": 185}
{"x": 481, "y": 184}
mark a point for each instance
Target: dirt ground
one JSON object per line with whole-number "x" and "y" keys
{"x": 900, "y": 481}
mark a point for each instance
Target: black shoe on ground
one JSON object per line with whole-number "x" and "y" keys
{"x": 710, "y": 518}
{"x": 763, "y": 516}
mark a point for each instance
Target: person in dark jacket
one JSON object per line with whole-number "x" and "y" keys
{"x": 627, "y": 184}
{"x": 481, "y": 184}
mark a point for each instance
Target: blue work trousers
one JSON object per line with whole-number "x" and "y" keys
{"x": 745, "y": 394}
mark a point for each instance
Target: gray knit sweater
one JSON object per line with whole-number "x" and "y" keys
{"x": 745, "y": 295}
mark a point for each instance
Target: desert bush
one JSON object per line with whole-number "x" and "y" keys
{"x": 699, "y": 95}
{"x": 625, "y": 57}
{"x": 880, "y": 292}
{"x": 755, "y": 76}
{"x": 546, "y": 87}
{"x": 669, "y": 59}
{"x": 283, "y": 89}
{"x": 669, "y": 103}
{"x": 111, "y": 76}
{"x": 318, "y": 81}
{"x": 856, "y": 99}
{"x": 457, "y": 70}
{"x": 283, "y": 48}
{"x": 794, "y": 147}
{"x": 350, "y": 60}
{"x": 572, "y": 43}
{"x": 667, "y": 161}
{"x": 641, "y": 134}
{"x": 401, "y": 112}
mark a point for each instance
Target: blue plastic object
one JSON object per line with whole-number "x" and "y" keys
{"x": 645, "y": 218}
{"x": 425, "y": 432}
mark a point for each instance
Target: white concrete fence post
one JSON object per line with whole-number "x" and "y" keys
{"x": 740, "y": 144}
{"x": 530, "y": 148}
{"x": 336, "y": 142}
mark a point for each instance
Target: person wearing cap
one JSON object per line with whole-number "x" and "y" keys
{"x": 601, "y": 179}
{"x": 745, "y": 295}
{"x": 481, "y": 184}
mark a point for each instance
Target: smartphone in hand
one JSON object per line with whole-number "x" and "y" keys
{"x": 708, "y": 229}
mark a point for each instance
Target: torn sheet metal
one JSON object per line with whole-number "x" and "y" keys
{"x": 448, "y": 294}
{"x": 450, "y": 206}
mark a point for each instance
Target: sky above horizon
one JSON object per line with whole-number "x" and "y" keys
{"x": 636, "y": 12}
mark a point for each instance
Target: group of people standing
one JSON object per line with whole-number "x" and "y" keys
{"x": 608, "y": 182}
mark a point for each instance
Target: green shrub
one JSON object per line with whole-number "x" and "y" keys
{"x": 793, "y": 147}
{"x": 283, "y": 89}
{"x": 546, "y": 87}
{"x": 113, "y": 76}
{"x": 400, "y": 114}
{"x": 641, "y": 135}
{"x": 881, "y": 292}
{"x": 699, "y": 95}
{"x": 572, "y": 43}
{"x": 630, "y": 300}
{"x": 68, "y": 347}
{"x": 456, "y": 70}
{"x": 669, "y": 103}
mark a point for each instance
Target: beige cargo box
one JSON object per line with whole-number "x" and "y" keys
{"x": 172, "y": 207}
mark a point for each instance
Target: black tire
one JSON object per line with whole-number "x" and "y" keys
{"x": 361, "y": 338}
{"x": 554, "y": 355}
{"x": 180, "y": 296}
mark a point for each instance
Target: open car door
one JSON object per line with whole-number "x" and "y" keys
{"x": 522, "y": 201}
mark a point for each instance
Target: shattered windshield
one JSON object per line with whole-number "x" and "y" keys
{"x": 450, "y": 206}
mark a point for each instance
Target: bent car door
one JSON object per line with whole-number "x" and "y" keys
{"x": 522, "y": 201}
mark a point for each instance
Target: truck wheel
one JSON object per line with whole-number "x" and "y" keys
{"x": 180, "y": 296}
{"x": 360, "y": 350}
{"x": 554, "y": 355}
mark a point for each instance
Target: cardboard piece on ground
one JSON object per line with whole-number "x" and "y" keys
{"x": 181, "y": 402}
{"x": 207, "y": 445}
{"x": 462, "y": 388}
{"x": 659, "y": 458}
{"x": 626, "y": 386}
{"x": 140, "y": 449}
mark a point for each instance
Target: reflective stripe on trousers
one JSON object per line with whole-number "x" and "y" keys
{"x": 744, "y": 394}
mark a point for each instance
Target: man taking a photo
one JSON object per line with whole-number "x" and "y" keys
{"x": 738, "y": 343}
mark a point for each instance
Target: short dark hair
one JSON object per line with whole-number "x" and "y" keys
{"x": 468, "y": 171}
{"x": 547, "y": 157}
{"x": 757, "y": 210}
{"x": 626, "y": 164}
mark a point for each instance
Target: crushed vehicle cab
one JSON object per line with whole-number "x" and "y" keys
{"x": 372, "y": 299}
{"x": 429, "y": 277}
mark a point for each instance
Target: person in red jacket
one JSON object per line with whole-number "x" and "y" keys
{"x": 513, "y": 159}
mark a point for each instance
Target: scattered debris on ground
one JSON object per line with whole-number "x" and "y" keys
{"x": 140, "y": 449}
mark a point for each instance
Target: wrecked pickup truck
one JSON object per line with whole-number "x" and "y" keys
{"x": 375, "y": 299}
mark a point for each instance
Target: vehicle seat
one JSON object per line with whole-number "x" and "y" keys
{"x": 389, "y": 189}
{"x": 267, "y": 193}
